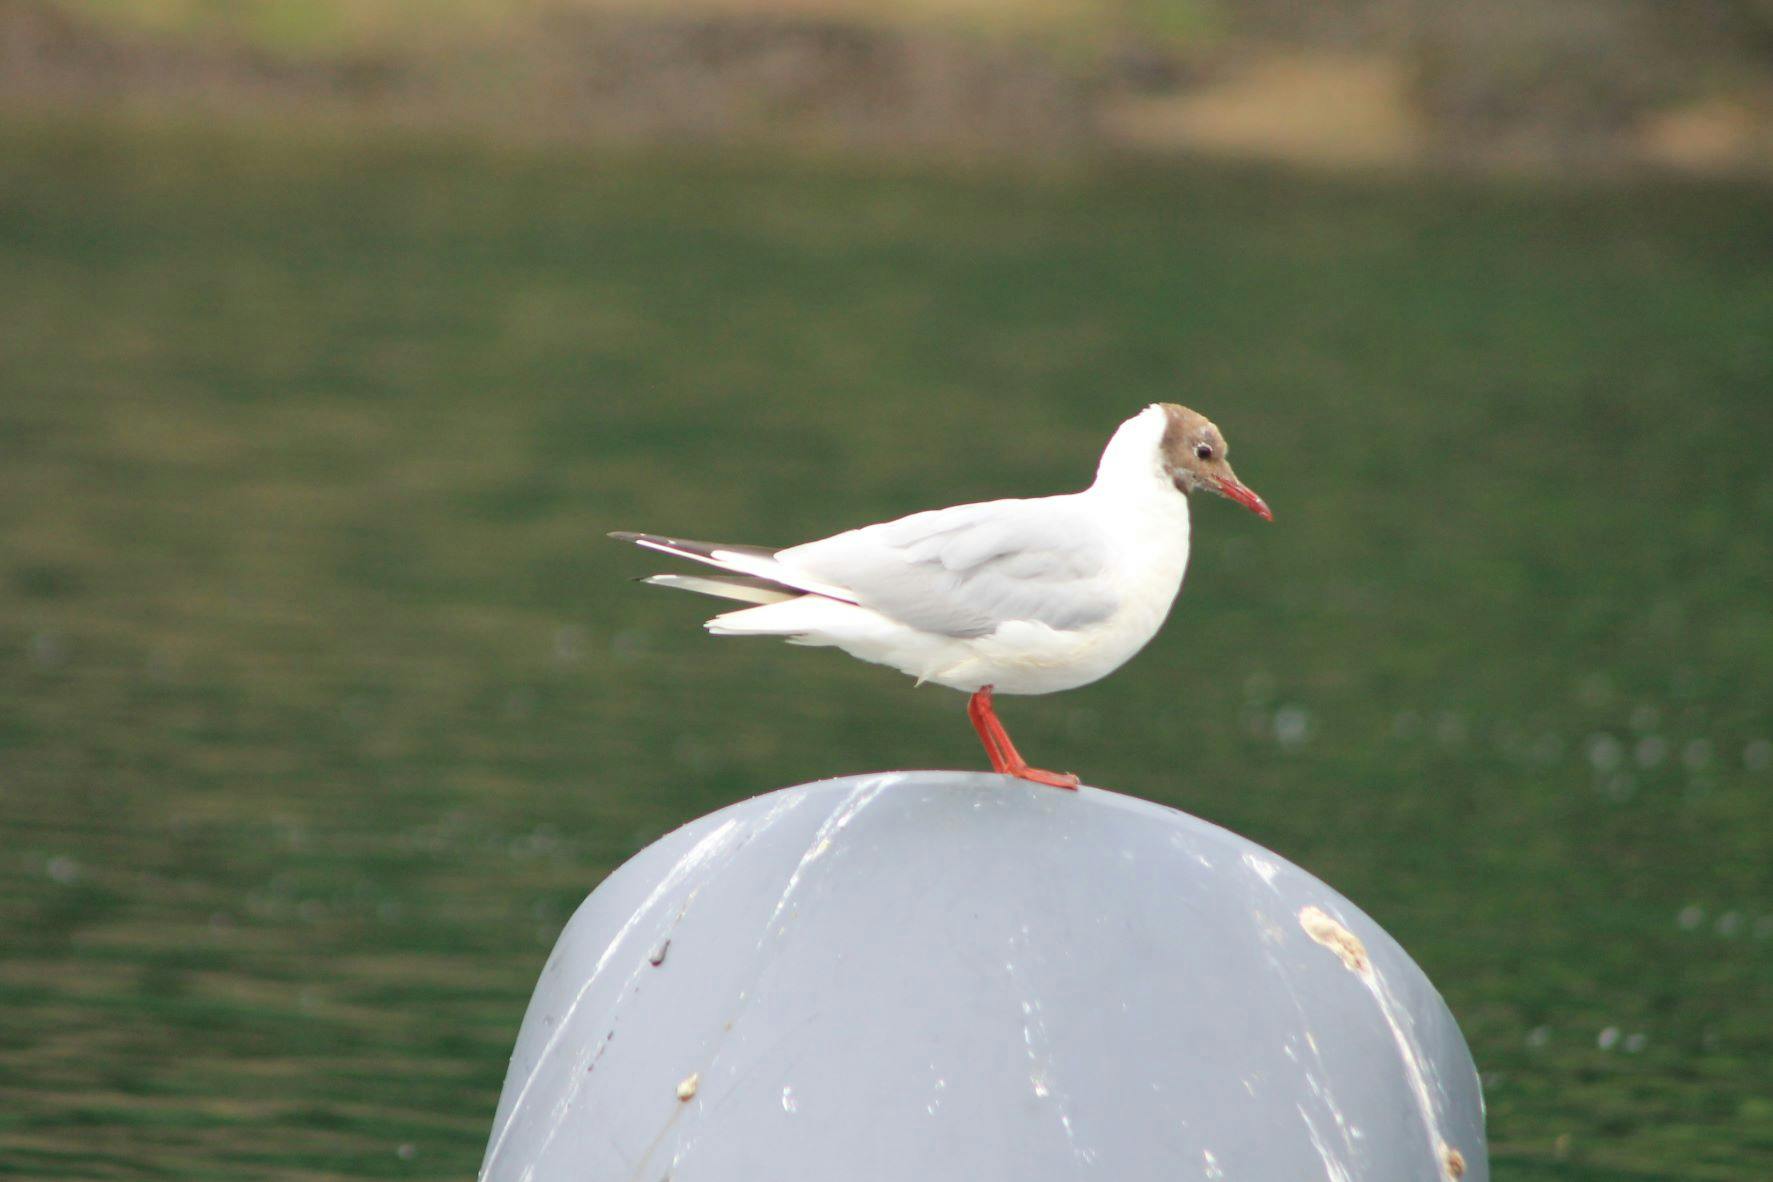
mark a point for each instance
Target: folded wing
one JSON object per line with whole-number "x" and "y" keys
{"x": 967, "y": 570}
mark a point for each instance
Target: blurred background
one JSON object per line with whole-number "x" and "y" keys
{"x": 334, "y": 335}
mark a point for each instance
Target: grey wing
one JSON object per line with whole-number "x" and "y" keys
{"x": 967, "y": 570}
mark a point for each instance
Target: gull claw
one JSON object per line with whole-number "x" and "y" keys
{"x": 1051, "y": 779}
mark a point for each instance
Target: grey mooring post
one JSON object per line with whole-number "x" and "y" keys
{"x": 948, "y": 977}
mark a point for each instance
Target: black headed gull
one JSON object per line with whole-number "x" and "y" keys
{"x": 1020, "y": 596}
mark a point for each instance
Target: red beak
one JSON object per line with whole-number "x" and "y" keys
{"x": 1244, "y": 495}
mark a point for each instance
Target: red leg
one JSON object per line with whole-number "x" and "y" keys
{"x": 1003, "y": 754}
{"x": 985, "y": 722}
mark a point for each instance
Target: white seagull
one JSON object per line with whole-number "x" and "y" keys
{"x": 1019, "y": 596}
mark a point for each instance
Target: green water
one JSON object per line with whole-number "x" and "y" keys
{"x": 323, "y": 699}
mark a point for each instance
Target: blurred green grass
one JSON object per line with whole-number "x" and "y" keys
{"x": 349, "y": 26}
{"x": 324, "y": 699}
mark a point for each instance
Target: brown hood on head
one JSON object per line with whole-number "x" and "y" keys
{"x": 1194, "y": 455}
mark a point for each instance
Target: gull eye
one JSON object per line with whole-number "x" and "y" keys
{"x": 1203, "y": 451}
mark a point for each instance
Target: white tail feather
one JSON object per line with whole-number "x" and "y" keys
{"x": 806, "y": 619}
{"x": 742, "y": 562}
{"x": 722, "y": 588}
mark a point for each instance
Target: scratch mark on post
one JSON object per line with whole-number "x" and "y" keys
{"x": 1263, "y": 869}
{"x": 1037, "y": 1042}
{"x": 1333, "y": 934}
{"x": 822, "y": 842}
{"x": 834, "y": 824}
{"x": 711, "y": 845}
{"x": 1334, "y": 1170}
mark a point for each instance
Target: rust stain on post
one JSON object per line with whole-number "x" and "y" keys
{"x": 1320, "y": 926}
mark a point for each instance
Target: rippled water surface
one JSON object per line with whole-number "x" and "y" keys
{"x": 323, "y": 699}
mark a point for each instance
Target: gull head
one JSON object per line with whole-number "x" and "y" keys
{"x": 1193, "y": 453}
